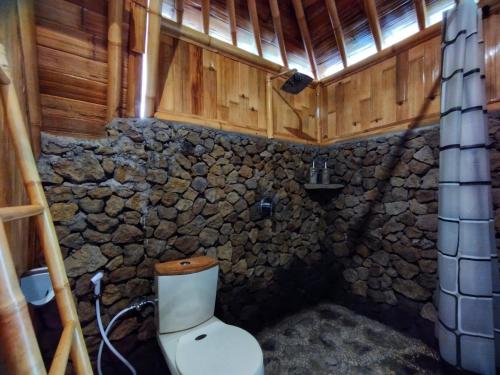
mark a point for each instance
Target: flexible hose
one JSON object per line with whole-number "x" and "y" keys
{"x": 104, "y": 334}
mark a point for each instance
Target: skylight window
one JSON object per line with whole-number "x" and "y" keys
{"x": 435, "y": 10}
{"x": 361, "y": 54}
{"x": 397, "y": 34}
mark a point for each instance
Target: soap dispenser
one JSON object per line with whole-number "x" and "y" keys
{"x": 325, "y": 174}
{"x": 313, "y": 173}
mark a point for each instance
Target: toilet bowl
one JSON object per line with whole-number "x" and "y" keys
{"x": 193, "y": 341}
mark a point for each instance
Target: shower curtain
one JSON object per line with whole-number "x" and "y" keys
{"x": 468, "y": 328}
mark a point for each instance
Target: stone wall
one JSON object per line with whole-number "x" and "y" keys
{"x": 155, "y": 191}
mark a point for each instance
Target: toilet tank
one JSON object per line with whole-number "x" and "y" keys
{"x": 186, "y": 291}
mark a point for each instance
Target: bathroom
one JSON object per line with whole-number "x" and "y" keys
{"x": 283, "y": 214}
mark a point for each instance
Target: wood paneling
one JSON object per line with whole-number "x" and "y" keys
{"x": 72, "y": 60}
{"x": 206, "y": 88}
{"x": 12, "y": 192}
{"x": 399, "y": 92}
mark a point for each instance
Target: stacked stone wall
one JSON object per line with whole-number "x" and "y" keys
{"x": 155, "y": 191}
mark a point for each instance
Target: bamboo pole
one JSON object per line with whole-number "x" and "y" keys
{"x": 26, "y": 9}
{"x": 373, "y": 21}
{"x": 20, "y": 349}
{"x": 205, "y": 10}
{"x": 278, "y": 29}
{"x": 152, "y": 53}
{"x": 19, "y": 212}
{"x": 306, "y": 37}
{"x": 60, "y": 360}
{"x": 115, "y": 19}
{"x": 337, "y": 29}
{"x": 45, "y": 226}
{"x": 421, "y": 11}
{"x": 252, "y": 9}
{"x": 269, "y": 107}
{"x": 231, "y": 10}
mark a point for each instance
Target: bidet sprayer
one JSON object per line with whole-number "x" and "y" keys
{"x": 96, "y": 280}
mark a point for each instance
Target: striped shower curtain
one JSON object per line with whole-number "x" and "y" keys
{"x": 469, "y": 292}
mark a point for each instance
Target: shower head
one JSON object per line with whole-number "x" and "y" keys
{"x": 295, "y": 83}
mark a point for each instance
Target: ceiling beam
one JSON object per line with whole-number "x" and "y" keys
{"x": 337, "y": 29}
{"x": 306, "y": 37}
{"x": 371, "y": 13}
{"x": 278, "y": 29}
{"x": 205, "y": 10}
{"x": 421, "y": 10}
{"x": 179, "y": 10}
{"x": 231, "y": 10}
{"x": 252, "y": 9}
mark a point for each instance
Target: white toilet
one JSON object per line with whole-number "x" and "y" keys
{"x": 192, "y": 339}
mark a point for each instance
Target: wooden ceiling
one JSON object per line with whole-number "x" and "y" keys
{"x": 315, "y": 34}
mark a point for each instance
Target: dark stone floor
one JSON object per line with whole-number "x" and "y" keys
{"x": 333, "y": 339}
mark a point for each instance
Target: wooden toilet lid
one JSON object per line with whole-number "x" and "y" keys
{"x": 185, "y": 266}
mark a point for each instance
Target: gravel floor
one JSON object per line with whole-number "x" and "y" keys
{"x": 331, "y": 339}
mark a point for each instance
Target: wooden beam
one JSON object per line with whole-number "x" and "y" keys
{"x": 27, "y": 26}
{"x": 205, "y": 11}
{"x": 306, "y": 38}
{"x": 337, "y": 29}
{"x": 372, "y": 15}
{"x": 115, "y": 22}
{"x": 152, "y": 53}
{"x": 278, "y": 29}
{"x": 192, "y": 36}
{"x": 252, "y": 9}
{"x": 420, "y": 37}
{"x": 19, "y": 212}
{"x": 179, "y": 10}
{"x": 231, "y": 10}
{"x": 60, "y": 360}
{"x": 421, "y": 11}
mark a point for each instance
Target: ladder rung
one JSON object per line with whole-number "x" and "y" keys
{"x": 60, "y": 360}
{"x": 19, "y": 212}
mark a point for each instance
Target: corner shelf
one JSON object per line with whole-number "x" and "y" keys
{"x": 323, "y": 186}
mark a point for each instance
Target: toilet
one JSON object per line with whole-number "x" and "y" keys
{"x": 192, "y": 339}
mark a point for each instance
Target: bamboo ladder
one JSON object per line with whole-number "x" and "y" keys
{"x": 17, "y": 337}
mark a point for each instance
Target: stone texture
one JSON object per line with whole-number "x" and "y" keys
{"x": 88, "y": 259}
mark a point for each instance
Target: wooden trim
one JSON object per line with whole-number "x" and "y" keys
{"x": 185, "y": 266}
{"x": 306, "y": 37}
{"x": 278, "y": 29}
{"x": 420, "y": 37}
{"x": 19, "y": 212}
{"x": 192, "y": 36}
{"x": 269, "y": 107}
{"x": 337, "y": 29}
{"x": 60, "y": 360}
{"x": 179, "y": 10}
{"x": 27, "y": 28}
{"x": 44, "y": 224}
{"x": 17, "y": 337}
{"x": 402, "y": 76}
{"x": 152, "y": 53}
{"x": 137, "y": 29}
{"x": 421, "y": 10}
{"x": 231, "y": 10}
{"x": 254, "y": 17}
{"x": 114, "y": 86}
{"x": 372, "y": 15}
{"x": 205, "y": 12}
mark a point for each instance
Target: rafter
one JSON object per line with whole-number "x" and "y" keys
{"x": 337, "y": 29}
{"x": 231, "y": 10}
{"x": 205, "y": 9}
{"x": 421, "y": 10}
{"x": 371, "y": 13}
{"x": 252, "y": 9}
{"x": 278, "y": 29}
{"x": 306, "y": 37}
{"x": 179, "y": 10}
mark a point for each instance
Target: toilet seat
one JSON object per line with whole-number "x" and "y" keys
{"x": 219, "y": 349}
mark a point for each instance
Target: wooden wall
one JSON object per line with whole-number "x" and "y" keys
{"x": 399, "y": 92}
{"x": 201, "y": 86}
{"x": 72, "y": 54}
{"x": 12, "y": 191}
